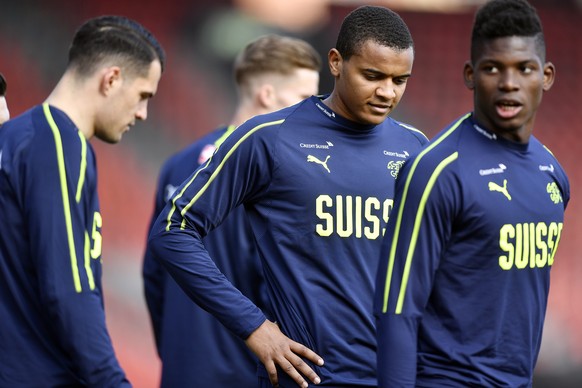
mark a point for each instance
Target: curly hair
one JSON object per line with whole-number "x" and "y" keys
{"x": 504, "y": 18}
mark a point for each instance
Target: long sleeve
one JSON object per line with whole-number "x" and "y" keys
{"x": 298, "y": 173}
{"x": 465, "y": 269}
{"x": 412, "y": 248}
{"x": 233, "y": 175}
{"x": 63, "y": 222}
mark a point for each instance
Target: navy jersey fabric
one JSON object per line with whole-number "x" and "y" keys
{"x": 53, "y": 329}
{"x": 464, "y": 273}
{"x": 318, "y": 190}
{"x": 196, "y": 350}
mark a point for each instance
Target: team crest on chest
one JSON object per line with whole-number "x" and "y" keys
{"x": 554, "y": 191}
{"x": 394, "y": 167}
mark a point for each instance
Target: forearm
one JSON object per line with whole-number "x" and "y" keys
{"x": 185, "y": 258}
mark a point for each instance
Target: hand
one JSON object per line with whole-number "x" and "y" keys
{"x": 274, "y": 349}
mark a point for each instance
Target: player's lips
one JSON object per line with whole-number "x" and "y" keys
{"x": 508, "y": 109}
{"x": 380, "y": 108}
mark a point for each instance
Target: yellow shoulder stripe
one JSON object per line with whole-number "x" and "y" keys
{"x": 410, "y": 127}
{"x": 65, "y": 198}
{"x": 392, "y": 256}
{"x": 222, "y": 138}
{"x": 83, "y": 166}
{"x": 212, "y": 177}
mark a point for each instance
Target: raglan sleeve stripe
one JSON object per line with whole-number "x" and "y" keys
{"x": 213, "y": 176}
{"x": 65, "y": 199}
{"x": 417, "y": 224}
{"x": 237, "y": 172}
{"x": 395, "y": 239}
{"x": 82, "y": 167}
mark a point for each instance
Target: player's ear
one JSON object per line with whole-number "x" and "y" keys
{"x": 335, "y": 60}
{"x": 110, "y": 79}
{"x": 468, "y": 75}
{"x": 266, "y": 96}
{"x": 549, "y": 75}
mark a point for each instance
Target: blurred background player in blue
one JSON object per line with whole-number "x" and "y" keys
{"x": 464, "y": 273}
{"x": 53, "y": 330}
{"x": 4, "y": 112}
{"x": 316, "y": 180}
{"x": 271, "y": 72}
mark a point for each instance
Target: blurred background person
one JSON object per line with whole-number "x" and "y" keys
{"x": 271, "y": 72}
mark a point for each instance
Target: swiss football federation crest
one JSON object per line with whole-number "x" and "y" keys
{"x": 394, "y": 167}
{"x": 554, "y": 191}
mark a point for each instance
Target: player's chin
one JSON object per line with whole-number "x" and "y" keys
{"x": 511, "y": 124}
{"x": 119, "y": 135}
{"x": 110, "y": 138}
{"x": 374, "y": 118}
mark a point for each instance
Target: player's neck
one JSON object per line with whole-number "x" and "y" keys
{"x": 244, "y": 112}
{"x": 69, "y": 96}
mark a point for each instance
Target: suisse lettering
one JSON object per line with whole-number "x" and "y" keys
{"x": 349, "y": 216}
{"x": 529, "y": 245}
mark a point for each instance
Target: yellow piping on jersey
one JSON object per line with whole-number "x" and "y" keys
{"x": 417, "y": 220}
{"x": 212, "y": 177}
{"x": 392, "y": 256}
{"x": 547, "y": 149}
{"x": 226, "y": 134}
{"x": 409, "y": 127}
{"x": 65, "y": 195}
{"x": 83, "y": 166}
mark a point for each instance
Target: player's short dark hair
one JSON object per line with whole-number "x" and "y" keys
{"x": 505, "y": 18}
{"x": 2, "y": 85}
{"x": 275, "y": 54}
{"x": 114, "y": 37}
{"x": 378, "y": 24}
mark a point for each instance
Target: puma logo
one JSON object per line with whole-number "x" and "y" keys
{"x": 311, "y": 158}
{"x": 503, "y": 190}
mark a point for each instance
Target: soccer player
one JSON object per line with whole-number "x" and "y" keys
{"x": 53, "y": 330}
{"x": 271, "y": 72}
{"x": 464, "y": 272}
{"x": 316, "y": 180}
{"x": 4, "y": 112}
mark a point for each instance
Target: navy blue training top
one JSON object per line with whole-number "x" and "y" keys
{"x": 195, "y": 348}
{"x": 464, "y": 273}
{"x": 318, "y": 190}
{"x": 53, "y": 329}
